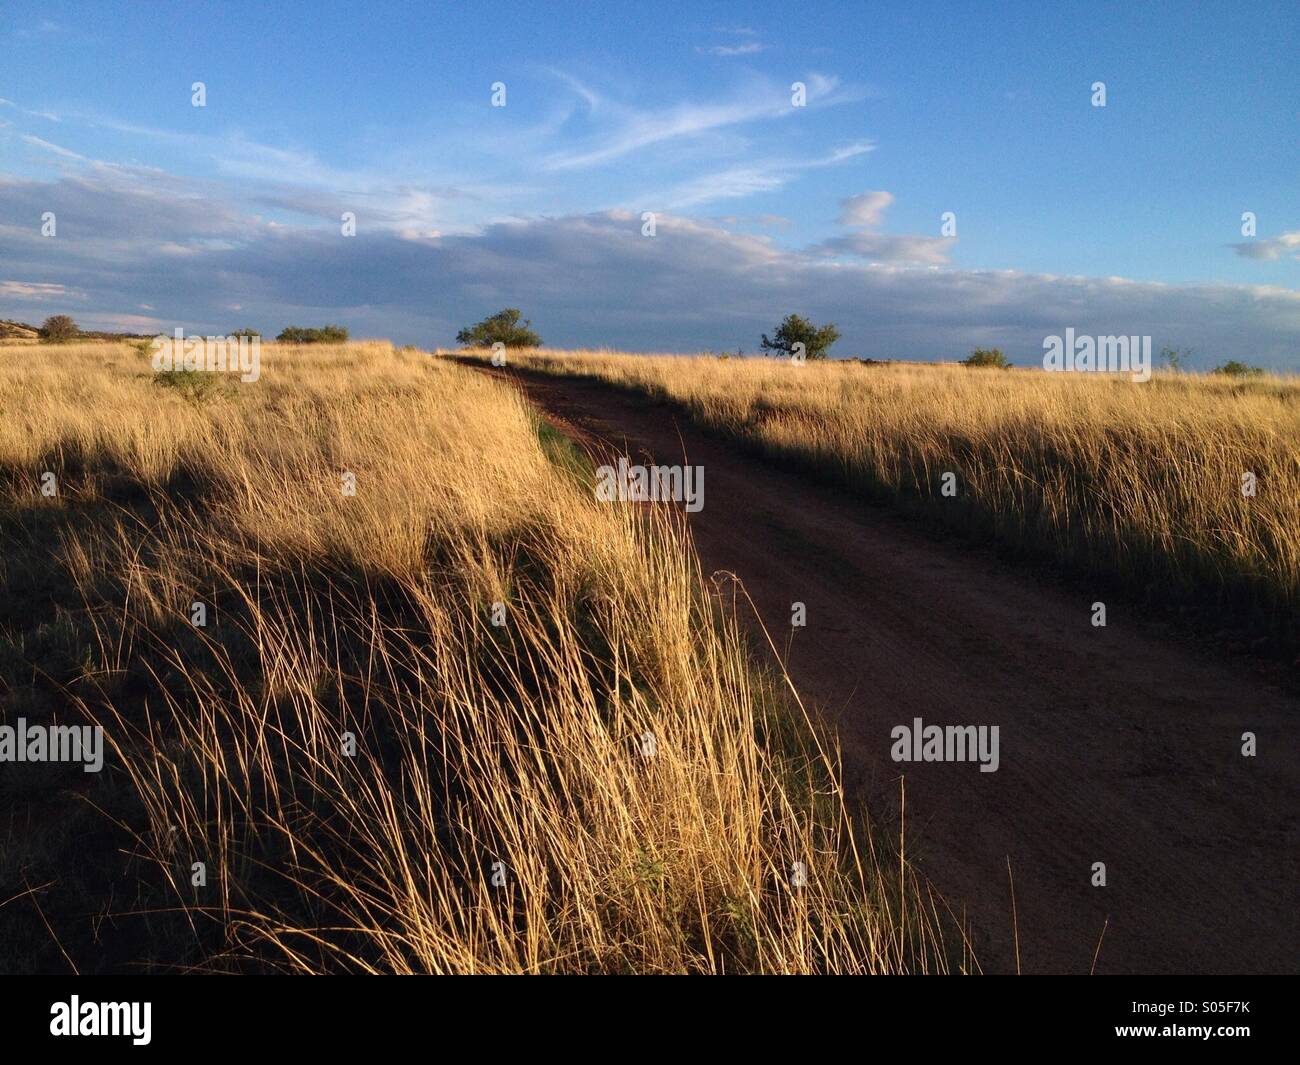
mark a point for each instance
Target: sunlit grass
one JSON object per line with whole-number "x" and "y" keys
{"x": 604, "y": 783}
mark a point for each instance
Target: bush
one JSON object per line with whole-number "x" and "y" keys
{"x": 987, "y": 357}
{"x": 195, "y": 386}
{"x": 256, "y": 335}
{"x": 1233, "y": 368}
{"x": 796, "y": 330}
{"x": 58, "y": 329}
{"x": 328, "y": 334}
{"x": 502, "y": 328}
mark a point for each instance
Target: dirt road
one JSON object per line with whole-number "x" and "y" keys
{"x": 1117, "y": 745}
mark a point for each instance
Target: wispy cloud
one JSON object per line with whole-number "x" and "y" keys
{"x": 285, "y": 178}
{"x": 33, "y": 290}
{"x": 746, "y": 180}
{"x": 43, "y": 28}
{"x": 589, "y": 95}
{"x": 633, "y": 129}
{"x": 55, "y": 149}
{"x": 130, "y": 323}
{"x": 592, "y": 128}
{"x": 743, "y": 48}
{"x": 49, "y": 116}
{"x": 773, "y": 220}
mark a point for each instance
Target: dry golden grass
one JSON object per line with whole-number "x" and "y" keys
{"x": 332, "y": 616}
{"x": 1139, "y": 482}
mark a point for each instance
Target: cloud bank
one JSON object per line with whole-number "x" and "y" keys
{"x": 131, "y": 240}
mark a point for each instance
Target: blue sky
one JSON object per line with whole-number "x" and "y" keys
{"x": 1123, "y": 219}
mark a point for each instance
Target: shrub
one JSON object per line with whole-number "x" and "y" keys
{"x": 59, "y": 328}
{"x": 796, "y": 330}
{"x": 1233, "y": 368}
{"x": 987, "y": 357}
{"x": 328, "y": 334}
{"x": 502, "y": 328}
{"x": 195, "y": 386}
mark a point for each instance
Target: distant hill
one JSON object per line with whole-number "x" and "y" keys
{"x": 18, "y": 331}
{"x": 11, "y": 332}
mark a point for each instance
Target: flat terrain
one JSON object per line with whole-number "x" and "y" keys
{"x": 1119, "y": 745}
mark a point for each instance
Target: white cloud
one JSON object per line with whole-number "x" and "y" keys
{"x": 1288, "y": 244}
{"x": 866, "y": 209}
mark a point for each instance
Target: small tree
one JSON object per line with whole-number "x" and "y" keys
{"x": 501, "y": 328}
{"x": 1233, "y": 368}
{"x": 1176, "y": 359}
{"x": 58, "y": 329}
{"x": 798, "y": 330}
{"x": 247, "y": 332}
{"x": 991, "y": 357}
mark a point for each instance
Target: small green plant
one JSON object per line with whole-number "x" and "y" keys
{"x": 648, "y": 871}
{"x": 989, "y": 357}
{"x": 1176, "y": 360}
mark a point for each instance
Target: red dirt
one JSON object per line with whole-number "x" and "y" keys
{"x": 1119, "y": 745}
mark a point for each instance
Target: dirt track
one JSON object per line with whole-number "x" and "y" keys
{"x": 1117, "y": 745}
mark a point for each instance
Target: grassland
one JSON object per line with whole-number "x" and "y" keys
{"x": 376, "y": 777}
{"x": 1137, "y": 486}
